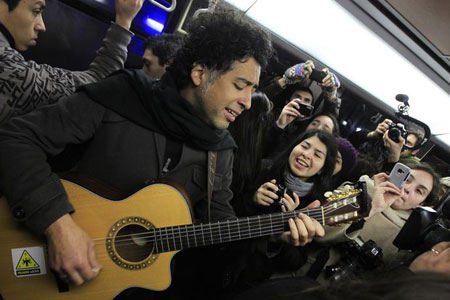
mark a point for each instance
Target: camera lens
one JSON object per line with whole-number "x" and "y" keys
{"x": 394, "y": 134}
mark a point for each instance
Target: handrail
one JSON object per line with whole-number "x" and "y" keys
{"x": 168, "y": 9}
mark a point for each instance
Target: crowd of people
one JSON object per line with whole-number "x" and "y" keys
{"x": 196, "y": 115}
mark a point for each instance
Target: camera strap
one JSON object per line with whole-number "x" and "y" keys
{"x": 321, "y": 260}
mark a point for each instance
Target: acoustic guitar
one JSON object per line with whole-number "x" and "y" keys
{"x": 136, "y": 239}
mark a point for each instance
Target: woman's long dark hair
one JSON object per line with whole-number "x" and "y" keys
{"x": 322, "y": 182}
{"x": 249, "y": 131}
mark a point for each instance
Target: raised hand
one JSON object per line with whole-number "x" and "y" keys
{"x": 385, "y": 193}
{"x": 126, "y": 10}
{"x": 298, "y": 72}
{"x": 331, "y": 81}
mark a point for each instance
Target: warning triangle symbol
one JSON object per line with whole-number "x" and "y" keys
{"x": 26, "y": 262}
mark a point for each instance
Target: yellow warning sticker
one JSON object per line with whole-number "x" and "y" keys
{"x": 28, "y": 261}
{"x": 27, "y": 264}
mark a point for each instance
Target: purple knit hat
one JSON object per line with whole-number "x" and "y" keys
{"x": 349, "y": 156}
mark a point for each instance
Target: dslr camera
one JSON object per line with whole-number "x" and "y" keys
{"x": 397, "y": 130}
{"x": 424, "y": 228}
{"x": 357, "y": 257}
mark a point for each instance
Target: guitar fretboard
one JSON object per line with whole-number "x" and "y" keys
{"x": 196, "y": 235}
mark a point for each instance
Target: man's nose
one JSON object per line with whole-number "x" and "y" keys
{"x": 40, "y": 25}
{"x": 246, "y": 101}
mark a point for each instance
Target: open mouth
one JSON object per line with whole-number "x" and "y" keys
{"x": 302, "y": 163}
{"x": 231, "y": 112}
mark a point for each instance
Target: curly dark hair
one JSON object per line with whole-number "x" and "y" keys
{"x": 12, "y": 4}
{"x": 323, "y": 181}
{"x": 217, "y": 40}
{"x": 164, "y": 46}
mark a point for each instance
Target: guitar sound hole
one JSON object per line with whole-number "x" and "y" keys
{"x": 133, "y": 244}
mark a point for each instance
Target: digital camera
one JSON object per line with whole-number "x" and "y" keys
{"x": 424, "y": 229}
{"x": 397, "y": 130}
{"x": 357, "y": 257}
{"x": 317, "y": 75}
{"x": 305, "y": 109}
{"x": 280, "y": 193}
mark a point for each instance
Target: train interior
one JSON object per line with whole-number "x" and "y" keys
{"x": 75, "y": 29}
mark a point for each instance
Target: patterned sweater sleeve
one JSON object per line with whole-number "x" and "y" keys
{"x": 26, "y": 85}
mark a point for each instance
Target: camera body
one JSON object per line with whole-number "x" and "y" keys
{"x": 317, "y": 75}
{"x": 397, "y": 130}
{"x": 280, "y": 193}
{"x": 357, "y": 257}
{"x": 423, "y": 229}
{"x": 305, "y": 109}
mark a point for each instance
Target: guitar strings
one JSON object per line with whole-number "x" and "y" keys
{"x": 314, "y": 212}
{"x": 232, "y": 222}
{"x": 278, "y": 228}
{"x": 169, "y": 240}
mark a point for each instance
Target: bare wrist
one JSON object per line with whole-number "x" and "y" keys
{"x": 282, "y": 82}
{"x": 58, "y": 226}
{"x": 124, "y": 22}
{"x": 281, "y": 126}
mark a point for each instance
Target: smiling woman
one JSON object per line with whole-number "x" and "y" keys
{"x": 304, "y": 168}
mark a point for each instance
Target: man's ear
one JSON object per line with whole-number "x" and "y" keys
{"x": 198, "y": 73}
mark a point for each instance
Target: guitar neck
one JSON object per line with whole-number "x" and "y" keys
{"x": 197, "y": 235}
{"x": 343, "y": 207}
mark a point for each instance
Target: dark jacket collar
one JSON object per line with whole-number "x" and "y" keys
{"x": 7, "y": 35}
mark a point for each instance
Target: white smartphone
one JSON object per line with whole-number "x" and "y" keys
{"x": 399, "y": 175}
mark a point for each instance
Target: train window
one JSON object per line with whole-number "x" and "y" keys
{"x": 371, "y": 59}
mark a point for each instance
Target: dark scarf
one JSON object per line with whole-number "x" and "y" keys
{"x": 7, "y": 35}
{"x": 157, "y": 106}
{"x": 295, "y": 184}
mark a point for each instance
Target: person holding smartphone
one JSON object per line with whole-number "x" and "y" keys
{"x": 391, "y": 207}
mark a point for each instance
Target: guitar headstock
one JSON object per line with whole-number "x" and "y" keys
{"x": 346, "y": 206}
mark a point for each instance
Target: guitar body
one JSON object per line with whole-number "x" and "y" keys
{"x": 104, "y": 220}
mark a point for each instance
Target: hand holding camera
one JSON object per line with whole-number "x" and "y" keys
{"x": 294, "y": 109}
{"x": 380, "y": 130}
{"x": 435, "y": 260}
{"x": 394, "y": 148}
{"x": 325, "y": 79}
{"x": 288, "y": 200}
{"x": 271, "y": 193}
{"x": 397, "y": 130}
{"x": 266, "y": 193}
{"x": 298, "y": 72}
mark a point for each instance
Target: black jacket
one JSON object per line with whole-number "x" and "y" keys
{"x": 119, "y": 152}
